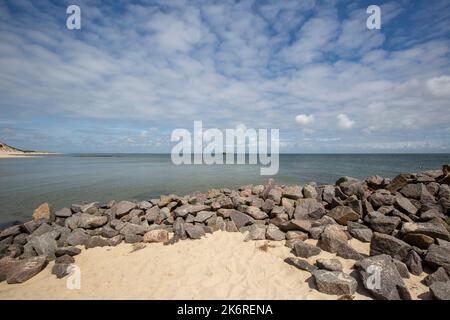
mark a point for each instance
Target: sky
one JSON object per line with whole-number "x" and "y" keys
{"x": 137, "y": 70}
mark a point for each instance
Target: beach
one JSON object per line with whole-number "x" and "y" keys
{"x": 219, "y": 266}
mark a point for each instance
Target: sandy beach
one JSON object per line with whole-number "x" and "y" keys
{"x": 219, "y": 266}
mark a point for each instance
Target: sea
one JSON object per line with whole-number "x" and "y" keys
{"x": 68, "y": 179}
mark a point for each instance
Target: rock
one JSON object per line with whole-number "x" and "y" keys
{"x": 405, "y": 205}
{"x": 384, "y": 224}
{"x": 7, "y": 266}
{"x": 343, "y": 214}
{"x": 414, "y": 263}
{"x": 225, "y": 213}
{"x": 432, "y": 230}
{"x": 300, "y": 264}
{"x": 274, "y": 233}
{"x": 398, "y": 182}
{"x": 152, "y": 214}
{"x": 230, "y": 226}
{"x": 194, "y": 232}
{"x": 328, "y": 193}
{"x": 71, "y": 251}
{"x": 268, "y": 205}
{"x": 275, "y": 195}
{"x": 381, "y": 278}
{"x": 90, "y": 208}
{"x": 65, "y": 259}
{"x": 334, "y": 282}
{"x": 61, "y": 270}
{"x": 359, "y": 231}
{"x": 431, "y": 214}
{"x": 164, "y": 201}
{"x": 133, "y": 238}
{"x": 44, "y": 211}
{"x": 256, "y": 213}
{"x": 440, "y": 275}
{"x": 77, "y": 237}
{"x": 255, "y": 232}
{"x": 240, "y": 219}
{"x": 309, "y": 191}
{"x": 202, "y": 216}
{"x": 401, "y": 268}
{"x": 30, "y": 226}
{"x": 438, "y": 256}
{"x": 375, "y": 182}
{"x": 331, "y": 243}
{"x": 217, "y": 223}
{"x": 417, "y": 191}
{"x": 63, "y": 213}
{"x": 117, "y": 224}
{"x": 329, "y": 264}
{"x": 87, "y": 221}
{"x": 42, "y": 229}
{"x": 45, "y": 245}
{"x": 96, "y": 241}
{"x": 122, "y": 208}
{"x": 305, "y": 250}
{"x": 419, "y": 240}
{"x": 114, "y": 241}
{"x": 189, "y": 209}
{"x": 303, "y": 225}
{"x": 441, "y": 290}
{"x": 26, "y": 269}
{"x": 290, "y": 235}
{"x": 72, "y": 221}
{"x": 10, "y": 232}
{"x": 292, "y": 192}
{"x": 381, "y": 198}
{"x": 309, "y": 208}
{"x": 133, "y": 229}
{"x": 386, "y": 244}
{"x": 156, "y": 236}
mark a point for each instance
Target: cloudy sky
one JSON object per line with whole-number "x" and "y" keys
{"x": 136, "y": 71}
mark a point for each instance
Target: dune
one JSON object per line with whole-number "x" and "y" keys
{"x": 219, "y": 266}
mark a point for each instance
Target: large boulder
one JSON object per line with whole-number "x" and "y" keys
{"x": 77, "y": 237}
{"x": 202, "y": 216}
{"x": 383, "y": 224}
{"x": 359, "y": 231}
{"x": 122, "y": 208}
{"x": 433, "y": 230}
{"x": 133, "y": 229}
{"x": 10, "y": 232}
{"x": 386, "y": 244}
{"x": 274, "y": 233}
{"x": 45, "y": 245}
{"x": 440, "y": 275}
{"x": 300, "y": 264}
{"x": 381, "y": 278}
{"x": 309, "y": 208}
{"x": 329, "y": 264}
{"x": 441, "y": 290}
{"x": 26, "y": 269}
{"x": 381, "y": 198}
{"x": 256, "y": 213}
{"x": 309, "y": 191}
{"x": 292, "y": 192}
{"x": 343, "y": 214}
{"x": 194, "y": 232}
{"x": 7, "y": 265}
{"x": 186, "y": 209}
{"x": 305, "y": 250}
{"x": 240, "y": 219}
{"x": 417, "y": 191}
{"x": 333, "y": 242}
{"x": 96, "y": 241}
{"x": 414, "y": 263}
{"x": 438, "y": 256}
{"x": 334, "y": 282}
{"x": 87, "y": 221}
{"x": 44, "y": 211}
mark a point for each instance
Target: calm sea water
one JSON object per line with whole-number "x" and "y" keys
{"x": 77, "y": 178}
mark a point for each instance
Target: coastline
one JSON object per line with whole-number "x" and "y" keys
{"x": 257, "y": 242}
{"x": 26, "y": 155}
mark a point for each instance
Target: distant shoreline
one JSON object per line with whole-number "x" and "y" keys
{"x": 26, "y": 155}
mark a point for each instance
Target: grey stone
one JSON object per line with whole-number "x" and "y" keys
{"x": 255, "y": 213}
{"x": 189, "y": 209}
{"x": 305, "y": 250}
{"x": 384, "y": 224}
{"x": 414, "y": 263}
{"x": 240, "y": 219}
{"x": 45, "y": 245}
{"x": 359, "y": 231}
{"x": 381, "y": 197}
{"x": 438, "y": 256}
{"x": 26, "y": 269}
{"x": 133, "y": 238}
{"x": 133, "y": 229}
{"x": 292, "y": 192}
{"x": 202, "y": 216}
{"x": 64, "y": 213}
{"x": 401, "y": 268}
{"x": 329, "y": 264}
{"x": 440, "y": 275}
{"x": 390, "y": 285}
{"x": 433, "y": 230}
{"x": 309, "y": 208}
{"x": 334, "y": 282}
{"x": 194, "y": 232}
{"x": 77, "y": 237}
{"x": 87, "y": 221}
{"x": 71, "y": 251}
{"x": 65, "y": 259}
{"x": 122, "y": 208}
{"x": 343, "y": 214}
{"x": 386, "y": 244}
{"x": 10, "y": 232}
{"x": 274, "y": 233}
{"x": 300, "y": 264}
{"x": 96, "y": 241}
{"x": 405, "y": 205}
{"x": 61, "y": 270}
{"x": 114, "y": 241}
{"x": 255, "y": 233}
{"x": 441, "y": 290}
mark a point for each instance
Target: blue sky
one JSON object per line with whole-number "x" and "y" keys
{"x": 137, "y": 70}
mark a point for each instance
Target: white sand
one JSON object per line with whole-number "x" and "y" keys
{"x": 220, "y": 266}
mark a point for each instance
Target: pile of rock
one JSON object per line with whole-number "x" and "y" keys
{"x": 404, "y": 219}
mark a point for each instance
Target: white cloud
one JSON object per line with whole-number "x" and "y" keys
{"x": 439, "y": 86}
{"x": 344, "y": 122}
{"x": 304, "y": 120}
